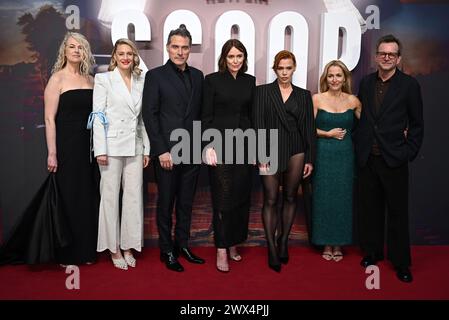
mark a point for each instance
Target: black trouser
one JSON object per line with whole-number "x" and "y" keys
{"x": 382, "y": 187}
{"x": 176, "y": 185}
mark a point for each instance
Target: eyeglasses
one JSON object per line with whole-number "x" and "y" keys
{"x": 390, "y": 55}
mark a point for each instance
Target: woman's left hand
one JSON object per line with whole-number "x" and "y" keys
{"x": 146, "y": 161}
{"x": 211, "y": 157}
{"x": 308, "y": 168}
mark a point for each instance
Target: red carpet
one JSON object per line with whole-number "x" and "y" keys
{"x": 307, "y": 276}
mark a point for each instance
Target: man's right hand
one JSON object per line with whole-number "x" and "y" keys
{"x": 166, "y": 161}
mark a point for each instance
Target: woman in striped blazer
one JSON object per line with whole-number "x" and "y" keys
{"x": 288, "y": 109}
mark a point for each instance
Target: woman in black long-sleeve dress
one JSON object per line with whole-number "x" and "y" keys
{"x": 283, "y": 106}
{"x": 227, "y": 105}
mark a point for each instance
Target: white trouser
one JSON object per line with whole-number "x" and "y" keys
{"x": 129, "y": 233}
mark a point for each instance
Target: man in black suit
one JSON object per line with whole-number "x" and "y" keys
{"x": 389, "y": 135}
{"x": 172, "y": 100}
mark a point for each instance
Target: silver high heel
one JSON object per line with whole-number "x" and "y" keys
{"x": 120, "y": 263}
{"x": 130, "y": 260}
{"x": 234, "y": 255}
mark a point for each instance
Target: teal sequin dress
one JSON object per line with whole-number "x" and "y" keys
{"x": 333, "y": 182}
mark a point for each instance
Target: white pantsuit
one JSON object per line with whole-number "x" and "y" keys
{"x": 124, "y": 140}
{"x": 125, "y": 171}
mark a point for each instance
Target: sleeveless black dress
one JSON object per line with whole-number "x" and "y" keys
{"x": 60, "y": 224}
{"x": 77, "y": 176}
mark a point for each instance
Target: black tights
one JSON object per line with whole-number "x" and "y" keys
{"x": 291, "y": 179}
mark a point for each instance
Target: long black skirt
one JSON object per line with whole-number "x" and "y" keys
{"x": 231, "y": 197}
{"x": 41, "y": 231}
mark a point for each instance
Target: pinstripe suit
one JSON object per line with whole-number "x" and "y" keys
{"x": 269, "y": 113}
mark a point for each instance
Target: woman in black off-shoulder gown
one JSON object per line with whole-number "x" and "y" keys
{"x": 60, "y": 224}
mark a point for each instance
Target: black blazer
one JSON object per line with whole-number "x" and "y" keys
{"x": 227, "y": 101}
{"x": 269, "y": 113}
{"x": 402, "y": 108}
{"x": 165, "y": 105}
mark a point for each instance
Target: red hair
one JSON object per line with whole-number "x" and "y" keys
{"x": 281, "y": 55}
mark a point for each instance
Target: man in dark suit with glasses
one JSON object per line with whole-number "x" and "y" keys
{"x": 388, "y": 136}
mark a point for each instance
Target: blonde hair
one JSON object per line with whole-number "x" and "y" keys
{"x": 347, "y": 85}
{"x": 136, "y": 59}
{"x": 87, "y": 59}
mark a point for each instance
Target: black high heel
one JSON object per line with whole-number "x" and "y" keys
{"x": 272, "y": 263}
{"x": 283, "y": 251}
{"x": 275, "y": 267}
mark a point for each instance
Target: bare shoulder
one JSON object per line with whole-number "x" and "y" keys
{"x": 58, "y": 76}
{"x": 55, "y": 82}
{"x": 317, "y": 97}
{"x": 354, "y": 101}
{"x": 90, "y": 79}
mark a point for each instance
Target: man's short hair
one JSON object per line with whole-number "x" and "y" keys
{"x": 181, "y": 31}
{"x": 389, "y": 38}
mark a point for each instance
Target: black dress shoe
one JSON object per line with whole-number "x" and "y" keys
{"x": 284, "y": 260}
{"x": 370, "y": 260}
{"x": 171, "y": 262}
{"x": 404, "y": 274}
{"x": 188, "y": 255}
